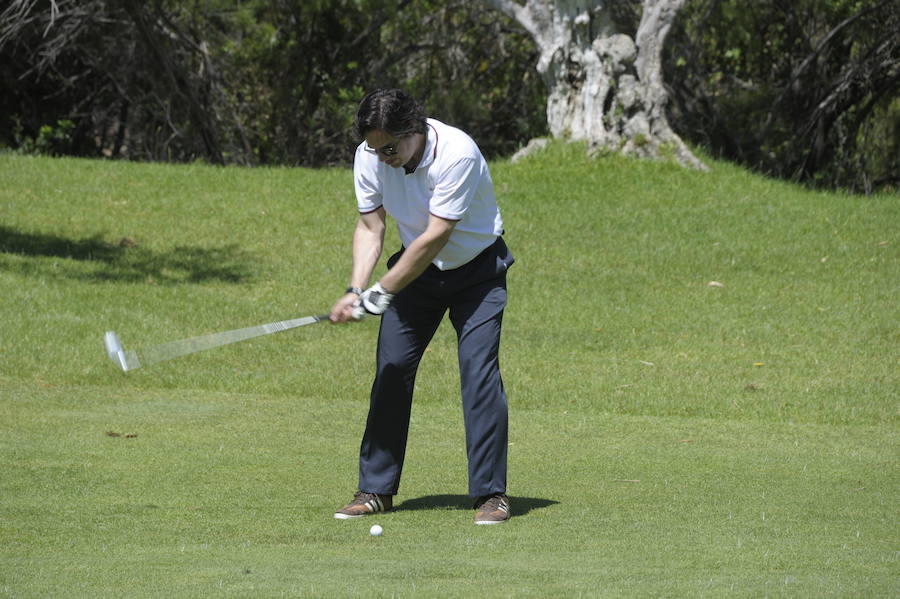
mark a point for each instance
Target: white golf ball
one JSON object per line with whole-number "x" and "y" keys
{"x": 376, "y": 530}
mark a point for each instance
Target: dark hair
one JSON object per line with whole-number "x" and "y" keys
{"x": 391, "y": 110}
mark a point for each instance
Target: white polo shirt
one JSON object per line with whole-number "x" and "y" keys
{"x": 452, "y": 181}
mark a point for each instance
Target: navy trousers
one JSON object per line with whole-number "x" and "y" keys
{"x": 475, "y": 295}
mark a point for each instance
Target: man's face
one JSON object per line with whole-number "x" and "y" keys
{"x": 393, "y": 151}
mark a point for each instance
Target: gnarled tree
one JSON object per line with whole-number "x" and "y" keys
{"x": 605, "y": 86}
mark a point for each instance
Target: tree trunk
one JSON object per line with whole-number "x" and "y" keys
{"x": 604, "y": 87}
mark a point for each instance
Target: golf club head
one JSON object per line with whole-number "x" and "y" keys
{"x": 115, "y": 351}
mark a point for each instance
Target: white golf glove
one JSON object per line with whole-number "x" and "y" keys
{"x": 374, "y": 300}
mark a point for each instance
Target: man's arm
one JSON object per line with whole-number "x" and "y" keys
{"x": 413, "y": 262}
{"x": 368, "y": 241}
{"x": 418, "y": 255}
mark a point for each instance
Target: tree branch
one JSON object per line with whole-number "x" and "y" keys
{"x": 804, "y": 65}
{"x": 524, "y": 15}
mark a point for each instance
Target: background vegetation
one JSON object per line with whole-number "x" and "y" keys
{"x": 254, "y": 82}
{"x": 807, "y": 90}
{"x": 803, "y": 90}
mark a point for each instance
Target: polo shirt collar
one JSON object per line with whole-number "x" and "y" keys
{"x": 431, "y": 141}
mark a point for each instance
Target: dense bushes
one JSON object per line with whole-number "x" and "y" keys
{"x": 255, "y": 82}
{"x": 805, "y": 90}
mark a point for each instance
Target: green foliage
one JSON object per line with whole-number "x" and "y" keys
{"x": 879, "y": 147}
{"x": 50, "y": 140}
{"x": 475, "y": 68}
{"x": 793, "y": 89}
{"x": 801, "y": 90}
{"x": 259, "y": 82}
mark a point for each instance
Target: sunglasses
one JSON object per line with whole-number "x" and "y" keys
{"x": 385, "y": 150}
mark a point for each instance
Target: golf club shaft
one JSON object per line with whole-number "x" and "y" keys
{"x": 173, "y": 349}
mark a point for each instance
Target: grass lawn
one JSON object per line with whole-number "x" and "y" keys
{"x": 669, "y": 437}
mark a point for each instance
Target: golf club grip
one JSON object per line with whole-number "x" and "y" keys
{"x": 182, "y": 347}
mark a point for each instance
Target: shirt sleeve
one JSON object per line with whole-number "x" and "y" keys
{"x": 366, "y": 183}
{"x": 455, "y": 188}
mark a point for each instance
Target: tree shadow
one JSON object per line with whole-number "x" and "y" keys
{"x": 96, "y": 260}
{"x": 520, "y": 505}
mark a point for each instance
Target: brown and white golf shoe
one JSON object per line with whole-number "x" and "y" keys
{"x": 492, "y": 509}
{"x": 364, "y": 504}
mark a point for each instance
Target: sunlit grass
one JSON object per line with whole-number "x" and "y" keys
{"x": 669, "y": 437}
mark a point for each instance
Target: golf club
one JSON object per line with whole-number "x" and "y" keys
{"x": 132, "y": 359}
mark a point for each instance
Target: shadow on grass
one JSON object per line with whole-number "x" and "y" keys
{"x": 95, "y": 260}
{"x": 520, "y": 505}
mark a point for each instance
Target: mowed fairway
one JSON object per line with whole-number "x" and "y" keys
{"x": 669, "y": 437}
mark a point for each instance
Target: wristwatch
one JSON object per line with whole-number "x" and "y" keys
{"x": 355, "y": 290}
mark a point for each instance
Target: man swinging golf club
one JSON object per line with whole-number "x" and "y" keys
{"x": 433, "y": 181}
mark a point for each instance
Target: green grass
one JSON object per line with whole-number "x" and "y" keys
{"x": 668, "y": 438}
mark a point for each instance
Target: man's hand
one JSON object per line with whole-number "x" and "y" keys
{"x": 374, "y": 300}
{"x": 343, "y": 308}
